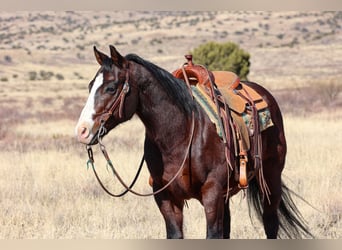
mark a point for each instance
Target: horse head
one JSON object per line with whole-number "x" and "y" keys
{"x": 111, "y": 99}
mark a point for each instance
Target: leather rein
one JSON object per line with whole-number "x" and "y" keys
{"x": 119, "y": 103}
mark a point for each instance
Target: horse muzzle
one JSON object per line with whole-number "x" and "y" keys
{"x": 84, "y": 134}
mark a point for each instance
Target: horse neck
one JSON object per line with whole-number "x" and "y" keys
{"x": 165, "y": 124}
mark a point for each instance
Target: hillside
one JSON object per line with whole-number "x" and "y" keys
{"x": 287, "y": 48}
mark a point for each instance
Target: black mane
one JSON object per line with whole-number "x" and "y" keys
{"x": 173, "y": 86}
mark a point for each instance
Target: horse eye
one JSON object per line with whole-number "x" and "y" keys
{"x": 110, "y": 90}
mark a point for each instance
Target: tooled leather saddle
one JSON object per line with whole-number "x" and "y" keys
{"x": 237, "y": 110}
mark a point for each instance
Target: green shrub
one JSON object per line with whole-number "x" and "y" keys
{"x": 33, "y": 75}
{"x": 223, "y": 56}
{"x": 59, "y": 76}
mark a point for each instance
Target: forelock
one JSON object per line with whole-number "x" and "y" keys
{"x": 107, "y": 63}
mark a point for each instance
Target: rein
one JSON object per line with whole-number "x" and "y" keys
{"x": 122, "y": 182}
{"x": 102, "y": 131}
{"x": 109, "y": 163}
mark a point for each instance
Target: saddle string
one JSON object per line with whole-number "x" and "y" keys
{"x": 223, "y": 115}
{"x": 258, "y": 165}
{"x": 187, "y": 80}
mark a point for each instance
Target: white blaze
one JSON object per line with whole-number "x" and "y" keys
{"x": 86, "y": 117}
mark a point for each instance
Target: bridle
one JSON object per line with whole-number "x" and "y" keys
{"x": 118, "y": 104}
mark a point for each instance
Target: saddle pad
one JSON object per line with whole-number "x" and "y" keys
{"x": 265, "y": 120}
{"x": 243, "y": 121}
{"x": 207, "y": 104}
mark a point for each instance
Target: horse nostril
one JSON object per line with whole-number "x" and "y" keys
{"x": 83, "y": 132}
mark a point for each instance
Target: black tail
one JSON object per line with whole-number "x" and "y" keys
{"x": 291, "y": 222}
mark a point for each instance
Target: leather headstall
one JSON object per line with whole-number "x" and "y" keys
{"x": 119, "y": 102}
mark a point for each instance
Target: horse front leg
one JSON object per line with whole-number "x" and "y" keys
{"x": 172, "y": 211}
{"x": 173, "y": 215}
{"x": 214, "y": 209}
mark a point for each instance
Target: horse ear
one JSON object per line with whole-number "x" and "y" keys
{"x": 117, "y": 58}
{"x": 100, "y": 57}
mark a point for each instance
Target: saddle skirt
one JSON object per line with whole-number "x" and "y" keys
{"x": 229, "y": 84}
{"x": 240, "y": 98}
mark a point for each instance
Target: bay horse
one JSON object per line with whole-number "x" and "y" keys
{"x": 181, "y": 143}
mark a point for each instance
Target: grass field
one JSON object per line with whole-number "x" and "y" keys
{"x": 47, "y": 192}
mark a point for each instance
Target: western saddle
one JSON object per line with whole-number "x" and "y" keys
{"x": 233, "y": 106}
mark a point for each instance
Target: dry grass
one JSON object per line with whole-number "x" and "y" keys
{"x": 312, "y": 170}
{"x": 47, "y": 191}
